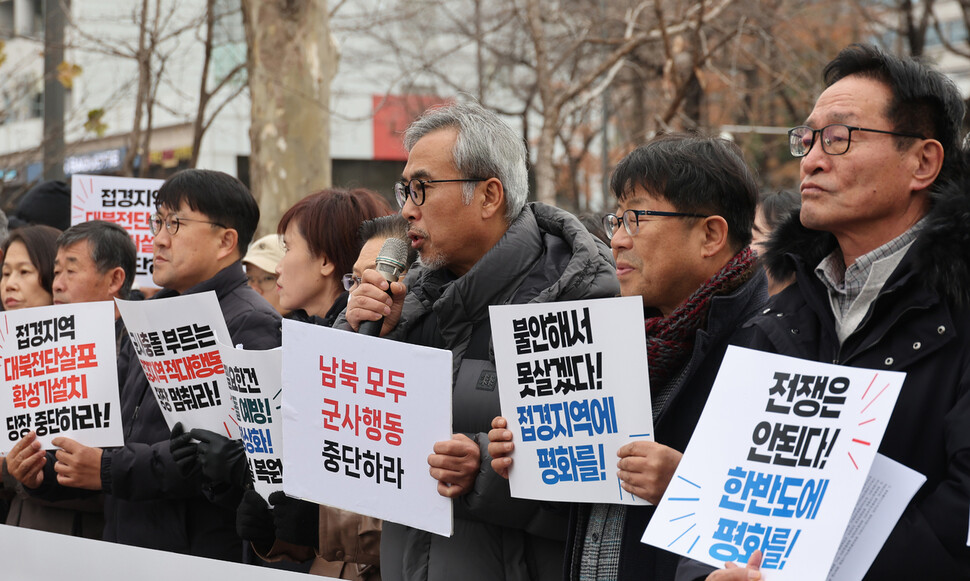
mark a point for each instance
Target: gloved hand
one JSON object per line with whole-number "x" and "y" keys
{"x": 183, "y": 450}
{"x": 223, "y": 460}
{"x": 254, "y": 521}
{"x": 297, "y": 521}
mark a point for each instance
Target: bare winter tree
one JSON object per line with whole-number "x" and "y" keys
{"x": 668, "y": 65}
{"x": 159, "y": 25}
{"x": 204, "y": 116}
{"x": 291, "y": 61}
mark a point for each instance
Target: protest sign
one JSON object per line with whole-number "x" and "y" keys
{"x": 776, "y": 463}
{"x": 574, "y": 388}
{"x": 60, "y": 375}
{"x": 360, "y": 417}
{"x": 253, "y": 379}
{"x": 175, "y": 340}
{"x": 128, "y": 202}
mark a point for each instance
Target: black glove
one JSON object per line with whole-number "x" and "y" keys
{"x": 297, "y": 521}
{"x": 254, "y": 521}
{"x": 223, "y": 460}
{"x": 183, "y": 450}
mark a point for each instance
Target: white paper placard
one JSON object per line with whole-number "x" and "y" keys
{"x": 177, "y": 342}
{"x": 253, "y": 379}
{"x": 360, "y": 418}
{"x": 60, "y": 375}
{"x": 777, "y": 462}
{"x": 574, "y": 388}
{"x": 887, "y": 491}
{"x": 128, "y": 202}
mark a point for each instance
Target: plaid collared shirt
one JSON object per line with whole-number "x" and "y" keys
{"x": 846, "y": 284}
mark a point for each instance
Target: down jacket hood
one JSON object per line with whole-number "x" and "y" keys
{"x": 940, "y": 255}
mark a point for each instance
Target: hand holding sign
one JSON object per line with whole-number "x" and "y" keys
{"x": 732, "y": 572}
{"x": 183, "y": 450}
{"x": 296, "y": 521}
{"x": 254, "y": 521}
{"x": 500, "y": 446}
{"x": 223, "y": 460}
{"x": 77, "y": 465}
{"x": 646, "y": 468}
{"x": 455, "y": 465}
{"x": 26, "y": 461}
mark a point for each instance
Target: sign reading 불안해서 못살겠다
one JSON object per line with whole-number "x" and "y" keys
{"x": 128, "y": 202}
{"x": 60, "y": 375}
{"x": 361, "y": 415}
{"x": 776, "y": 463}
{"x": 177, "y": 340}
{"x": 574, "y": 388}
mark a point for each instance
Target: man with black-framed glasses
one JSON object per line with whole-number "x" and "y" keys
{"x": 681, "y": 241}
{"x": 463, "y": 193}
{"x": 204, "y": 220}
{"x": 880, "y": 258}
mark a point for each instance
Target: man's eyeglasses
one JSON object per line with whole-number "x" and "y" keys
{"x": 415, "y": 189}
{"x": 350, "y": 281}
{"x": 835, "y": 138}
{"x": 264, "y": 282}
{"x": 172, "y": 223}
{"x": 631, "y": 220}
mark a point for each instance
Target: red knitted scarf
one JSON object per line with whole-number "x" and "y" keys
{"x": 670, "y": 340}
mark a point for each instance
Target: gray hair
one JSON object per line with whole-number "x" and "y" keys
{"x": 110, "y": 245}
{"x": 486, "y": 147}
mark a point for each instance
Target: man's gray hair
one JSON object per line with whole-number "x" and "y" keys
{"x": 110, "y": 247}
{"x": 486, "y": 147}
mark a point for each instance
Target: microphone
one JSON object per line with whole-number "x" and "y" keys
{"x": 391, "y": 262}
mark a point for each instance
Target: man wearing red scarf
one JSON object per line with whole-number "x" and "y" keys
{"x": 680, "y": 236}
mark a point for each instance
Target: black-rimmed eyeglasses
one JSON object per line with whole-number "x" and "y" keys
{"x": 835, "y": 138}
{"x": 172, "y": 223}
{"x": 415, "y": 189}
{"x": 631, "y": 220}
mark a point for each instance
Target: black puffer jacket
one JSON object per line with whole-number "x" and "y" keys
{"x": 546, "y": 255}
{"x": 918, "y": 324}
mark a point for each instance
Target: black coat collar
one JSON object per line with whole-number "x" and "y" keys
{"x": 940, "y": 256}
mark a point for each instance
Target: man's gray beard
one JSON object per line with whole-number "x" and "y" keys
{"x": 434, "y": 262}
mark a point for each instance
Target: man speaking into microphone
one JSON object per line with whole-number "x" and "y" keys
{"x": 463, "y": 193}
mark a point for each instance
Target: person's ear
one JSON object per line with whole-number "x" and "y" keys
{"x": 116, "y": 280}
{"x": 327, "y": 266}
{"x": 228, "y": 243}
{"x": 929, "y": 162}
{"x": 714, "y": 230}
{"x": 493, "y": 198}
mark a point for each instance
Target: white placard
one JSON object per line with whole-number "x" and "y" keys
{"x": 177, "y": 342}
{"x": 888, "y": 489}
{"x": 60, "y": 375}
{"x": 253, "y": 381}
{"x": 777, "y": 462}
{"x": 574, "y": 388}
{"x": 360, "y": 418}
{"x": 31, "y": 555}
{"x": 128, "y": 202}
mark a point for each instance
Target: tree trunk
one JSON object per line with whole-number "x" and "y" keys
{"x": 291, "y": 61}
{"x": 545, "y": 168}
{"x": 143, "y": 59}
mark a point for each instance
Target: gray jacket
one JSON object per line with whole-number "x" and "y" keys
{"x": 546, "y": 255}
